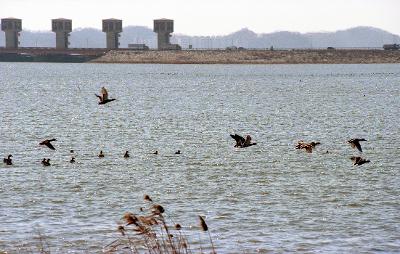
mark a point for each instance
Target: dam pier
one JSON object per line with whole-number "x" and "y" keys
{"x": 169, "y": 53}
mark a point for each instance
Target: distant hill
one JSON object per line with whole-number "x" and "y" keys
{"x": 94, "y": 38}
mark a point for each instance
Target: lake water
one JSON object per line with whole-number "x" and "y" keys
{"x": 266, "y": 198}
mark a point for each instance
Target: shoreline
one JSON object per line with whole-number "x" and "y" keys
{"x": 340, "y": 56}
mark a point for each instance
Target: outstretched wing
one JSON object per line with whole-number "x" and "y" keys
{"x": 49, "y": 145}
{"x": 104, "y": 93}
{"x": 98, "y": 96}
{"x": 239, "y": 139}
{"x": 357, "y": 145}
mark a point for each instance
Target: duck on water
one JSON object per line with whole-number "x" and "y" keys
{"x": 8, "y": 160}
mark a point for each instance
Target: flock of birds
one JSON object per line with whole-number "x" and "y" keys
{"x": 241, "y": 142}
{"x": 355, "y": 143}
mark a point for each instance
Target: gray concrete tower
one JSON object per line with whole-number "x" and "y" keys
{"x": 62, "y": 28}
{"x": 112, "y": 28}
{"x": 12, "y": 27}
{"x": 163, "y": 28}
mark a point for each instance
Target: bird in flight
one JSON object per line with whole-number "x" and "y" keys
{"x": 358, "y": 160}
{"x": 242, "y": 142}
{"x": 104, "y": 96}
{"x": 355, "y": 143}
{"x": 307, "y": 146}
{"x": 47, "y": 143}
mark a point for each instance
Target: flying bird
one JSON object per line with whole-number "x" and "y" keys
{"x": 307, "y": 146}
{"x": 355, "y": 143}
{"x": 104, "y": 96}
{"x": 48, "y": 144}
{"x": 358, "y": 160}
{"x": 242, "y": 142}
{"x": 8, "y": 160}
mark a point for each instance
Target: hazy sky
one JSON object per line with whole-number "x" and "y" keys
{"x": 212, "y": 17}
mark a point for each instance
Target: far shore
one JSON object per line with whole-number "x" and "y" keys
{"x": 333, "y": 56}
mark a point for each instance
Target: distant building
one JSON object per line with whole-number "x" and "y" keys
{"x": 112, "y": 28}
{"x": 164, "y": 28}
{"x": 391, "y": 46}
{"x": 138, "y": 46}
{"x": 62, "y": 28}
{"x": 12, "y": 27}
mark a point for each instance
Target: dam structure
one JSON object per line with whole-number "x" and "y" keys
{"x": 164, "y": 28}
{"x": 112, "y": 28}
{"x": 62, "y": 27}
{"x": 12, "y": 27}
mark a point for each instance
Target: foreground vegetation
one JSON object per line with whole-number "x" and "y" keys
{"x": 151, "y": 230}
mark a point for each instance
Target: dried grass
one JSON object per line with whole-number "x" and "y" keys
{"x": 150, "y": 231}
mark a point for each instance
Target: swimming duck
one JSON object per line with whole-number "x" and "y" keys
{"x": 72, "y": 159}
{"x": 101, "y": 155}
{"x": 355, "y": 143}
{"x": 126, "y": 155}
{"x": 156, "y": 152}
{"x": 104, "y": 96}
{"x": 358, "y": 160}
{"x": 46, "y": 162}
{"x": 307, "y": 146}
{"x": 242, "y": 142}
{"x": 8, "y": 160}
{"x": 48, "y": 144}
{"x": 178, "y": 152}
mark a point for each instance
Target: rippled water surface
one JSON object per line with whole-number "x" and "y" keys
{"x": 269, "y": 197}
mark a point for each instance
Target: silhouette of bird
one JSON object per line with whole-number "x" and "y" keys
{"x": 8, "y": 160}
{"x": 101, "y": 154}
{"x": 358, "y": 160}
{"x": 72, "y": 159}
{"x": 355, "y": 143}
{"x": 126, "y": 155}
{"x": 104, "y": 96}
{"x": 178, "y": 152}
{"x": 242, "y": 142}
{"x": 156, "y": 152}
{"x": 307, "y": 146}
{"x": 46, "y": 162}
{"x": 48, "y": 144}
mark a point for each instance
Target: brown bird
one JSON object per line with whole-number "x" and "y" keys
{"x": 355, "y": 143}
{"x": 101, "y": 154}
{"x": 358, "y": 160}
{"x": 8, "y": 160}
{"x": 307, "y": 146}
{"x": 126, "y": 155}
{"x": 48, "y": 144}
{"x": 104, "y": 96}
{"x": 242, "y": 142}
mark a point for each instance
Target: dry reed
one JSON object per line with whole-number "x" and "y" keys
{"x": 153, "y": 231}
